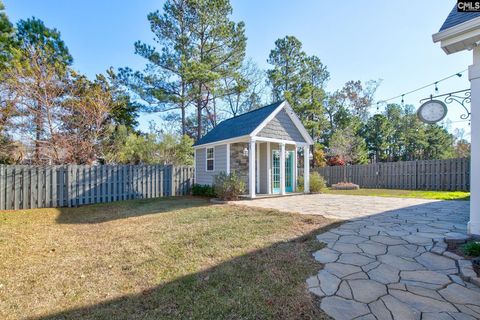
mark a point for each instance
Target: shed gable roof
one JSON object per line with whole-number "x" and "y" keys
{"x": 238, "y": 126}
{"x": 456, "y": 18}
{"x": 282, "y": 127}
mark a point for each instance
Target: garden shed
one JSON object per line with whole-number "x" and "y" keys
{"x": 261, "y": 146}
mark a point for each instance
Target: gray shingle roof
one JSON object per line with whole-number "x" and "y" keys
{"x": 238, "y": 126}
{"x": 455, "y": 18}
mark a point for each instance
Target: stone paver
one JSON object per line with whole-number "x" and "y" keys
{"x": 389, "y": 259}
{"x": 366, "y": 290}
{"x": 340, "y": 308}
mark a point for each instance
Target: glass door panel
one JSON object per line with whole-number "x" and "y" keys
{"x": 275, "y": 171}
{"x": 289, "y": 171}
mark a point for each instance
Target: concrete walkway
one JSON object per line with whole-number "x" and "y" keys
{"x": 389, "y": 261}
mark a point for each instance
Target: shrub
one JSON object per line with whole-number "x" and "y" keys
{"x": 472, "y": 248}
{"x": 335, "y": 161}
{"x": 228, "y": 186}
{"x": 203, "y": 190}
{"x": 317, "y": 183}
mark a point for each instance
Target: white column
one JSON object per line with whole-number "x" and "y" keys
{"x": 474, "y": 77}
{"x": 228, "y": 158}
{"x": 282, "y": 168}
{"x": 295, "y": 169}
{"x": 306, "y": 169}
{"x": 194, "y": 165}
{"x": 269, "y": 170}
{"x": 251, "y": 169}
{"x": 258, "y": 168}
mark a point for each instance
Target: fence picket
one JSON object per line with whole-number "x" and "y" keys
{"x": 450, "y": 174}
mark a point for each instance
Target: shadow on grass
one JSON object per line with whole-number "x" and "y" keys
{"x": 97, "y": 213}
{"x": 265, "y": 284}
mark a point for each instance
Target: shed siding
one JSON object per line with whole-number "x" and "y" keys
{"x": 282, "y": 127}
{"x": 202, "y": 175}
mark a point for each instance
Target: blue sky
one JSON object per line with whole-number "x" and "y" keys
{"x": 357, "y": 40}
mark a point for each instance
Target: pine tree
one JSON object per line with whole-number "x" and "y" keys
{"x": 37, "y": 78}
{"x": 163, "y": 85}
{"x": 218, "y": 50}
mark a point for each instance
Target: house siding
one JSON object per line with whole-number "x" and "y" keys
{"x": 282, "y": 127}
{"x": 220, "y": 165}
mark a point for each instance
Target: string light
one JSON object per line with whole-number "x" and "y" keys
{"x": 458, "y": 74}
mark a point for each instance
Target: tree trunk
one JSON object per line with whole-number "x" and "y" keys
{"x": 183, "y": 119}
{"x": 182, "y": 106}
{"x": 199, "y": 112}
{"x": 38, "y": 135}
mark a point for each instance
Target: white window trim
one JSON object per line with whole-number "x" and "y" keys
{"x": 206, "y": 159}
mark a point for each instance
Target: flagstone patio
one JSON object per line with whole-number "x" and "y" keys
{"x": 390, "y": 260}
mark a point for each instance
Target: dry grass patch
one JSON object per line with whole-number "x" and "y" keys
{"x": 152, "y": 259}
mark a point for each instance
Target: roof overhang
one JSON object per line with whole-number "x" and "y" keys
{"x": 224, "y": 141}
{"x": 463, "y": 36}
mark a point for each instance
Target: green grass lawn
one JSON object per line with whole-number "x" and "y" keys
{"x": 438, "y": 195}
{"x": 171, "y": 258}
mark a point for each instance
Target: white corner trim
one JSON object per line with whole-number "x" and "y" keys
{"x": 269, "y": 170}
{"x": 268, "y": 119}
{"x": 257, "y": 166}
{"x": 251, "y": 168}
{"x": 298, "y": 124}
{"x": 194, "y": 166}
{"x": 228, "y": 158}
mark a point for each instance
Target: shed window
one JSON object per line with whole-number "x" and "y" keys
{"x": 210, "y": 159}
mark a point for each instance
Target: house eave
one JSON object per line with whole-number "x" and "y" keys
{"x": 224, "y": 141}
{"x": 463, "y": 36}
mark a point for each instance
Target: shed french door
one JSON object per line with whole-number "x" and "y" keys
{"x": 289, "y": 171}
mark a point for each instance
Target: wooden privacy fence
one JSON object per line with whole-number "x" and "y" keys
{"x": 447, "y": 175}
{"x": 26, "y": 187}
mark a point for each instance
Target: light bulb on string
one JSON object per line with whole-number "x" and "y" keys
{"x": 435, "y": 84}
